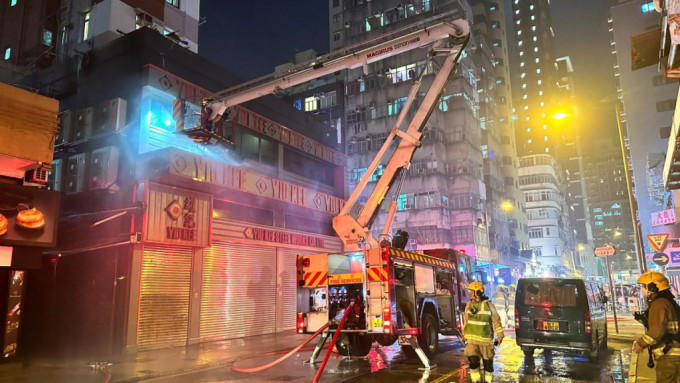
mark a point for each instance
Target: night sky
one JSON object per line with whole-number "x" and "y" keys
{"x": 249, "y": 38}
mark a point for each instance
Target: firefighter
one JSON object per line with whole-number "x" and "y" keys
{"x": 662, "y": 327}
{"x": 481, "y": 320}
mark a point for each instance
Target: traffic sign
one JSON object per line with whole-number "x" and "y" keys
{"x": 657, "y": 242}
{"x": 605, "y": 251}
{"x": 675, "y": 258}
{"x": 660, "y": 259}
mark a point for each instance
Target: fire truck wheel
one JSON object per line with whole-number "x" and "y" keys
{"x": 428, "y": 339}
{"x": 354, "y": 344}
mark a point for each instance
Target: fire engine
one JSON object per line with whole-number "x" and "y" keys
{"x": 391, "y": 293}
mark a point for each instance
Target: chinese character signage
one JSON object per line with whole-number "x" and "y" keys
{"x": 664, "y": 217}
{"x": 176, "y": 216}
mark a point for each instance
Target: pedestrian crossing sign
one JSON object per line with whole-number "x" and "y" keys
{"x": 657, "y": 242}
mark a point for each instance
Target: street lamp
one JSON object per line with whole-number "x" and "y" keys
{"x": 560, "y": 116}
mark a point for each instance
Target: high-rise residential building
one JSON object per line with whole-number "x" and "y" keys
{"x": 608, "y": 201}
{"x": 456, "y": 185}
{"x": 501, "y": 162}
{"x": 534, "y": 77}
{"x": 648, "y": 102}
{"x": 545, "y": 125}
{"x": 550, "y": 231}
{"x": 37, "y": 34}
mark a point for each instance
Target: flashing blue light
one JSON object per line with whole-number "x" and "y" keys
{"x": 168, "y": 122}
{"x": 648, "y": 7}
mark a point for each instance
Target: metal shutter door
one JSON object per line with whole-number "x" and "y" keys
{"x": 289, "y": 285}
{"x": 239, "y": 291}
{"x": 164, "y": 296}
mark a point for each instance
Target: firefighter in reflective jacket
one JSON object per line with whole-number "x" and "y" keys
{"x": 481, "y": 320}
{"x": 662, "y": 327}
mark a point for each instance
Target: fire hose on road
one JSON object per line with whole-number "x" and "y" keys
{"x": 300, "y": 346}
{"x": 281, "y": 359}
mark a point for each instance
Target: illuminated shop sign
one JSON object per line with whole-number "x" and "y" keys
{"x": 176, "y": 216}
{"x": 663, "y": 217}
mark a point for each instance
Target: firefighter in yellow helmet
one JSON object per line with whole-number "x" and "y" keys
{"x": 662, "y": 331}
{"x": 481, "y": 321}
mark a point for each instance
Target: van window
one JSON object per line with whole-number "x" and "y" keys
{"x": 554, "y": 293}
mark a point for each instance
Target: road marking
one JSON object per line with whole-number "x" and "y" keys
{"x": 450, "y": 374}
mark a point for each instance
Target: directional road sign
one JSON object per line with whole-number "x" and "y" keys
{"x": 605, "y": 251}
{"x": 660, "y": 259}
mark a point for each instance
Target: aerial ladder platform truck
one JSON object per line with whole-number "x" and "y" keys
{"x": 393, "y": 294}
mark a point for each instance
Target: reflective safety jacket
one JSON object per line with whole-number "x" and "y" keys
{"x": 481, "y": 319}
{"x": 663, "y": 328}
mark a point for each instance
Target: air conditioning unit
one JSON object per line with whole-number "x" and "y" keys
{"x": 38, "y": 175}
{"x": 109, "y": 116}
{"x": 64, "y": 132}
{"x": 372, "y": 105}
{"x": 144, "y": 19}
{"x": 75, "y": 173}
{"x": 54, "y": 177}
{"x": 421, "y": 170}
{"x": 82, "y": 125}
{"x": 408, "y": 206}
{"x": 103, "y": 169}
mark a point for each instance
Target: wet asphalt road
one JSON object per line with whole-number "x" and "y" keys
{"x": 388, "y": 364}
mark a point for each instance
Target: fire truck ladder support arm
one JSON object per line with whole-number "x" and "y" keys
{"x": 354, "y": 231}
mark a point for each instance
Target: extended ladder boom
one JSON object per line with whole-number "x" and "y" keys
{"x": 445, "y": 35}
{"x": 359, "y": 55}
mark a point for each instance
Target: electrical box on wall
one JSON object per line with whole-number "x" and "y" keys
{"x": 103, "y": 168}
{"x": 75, "y": 173}
{"x": 109, "y": 116}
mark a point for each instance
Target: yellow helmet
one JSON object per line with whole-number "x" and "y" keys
{"x": 476, "y": 286}
{"x": 659, "y": 280}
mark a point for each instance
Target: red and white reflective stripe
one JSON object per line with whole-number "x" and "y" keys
{"x": 316, "y": 278}
{"x": 377, "y": 274}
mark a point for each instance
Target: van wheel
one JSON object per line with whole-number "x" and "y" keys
{"x": 594, "y": 356}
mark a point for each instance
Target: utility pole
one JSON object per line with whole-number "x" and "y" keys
{"x": 637, "y": 227}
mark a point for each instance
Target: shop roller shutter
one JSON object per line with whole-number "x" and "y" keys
{"x": 239, "y": 291}
{"x": 164, "y": 297}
